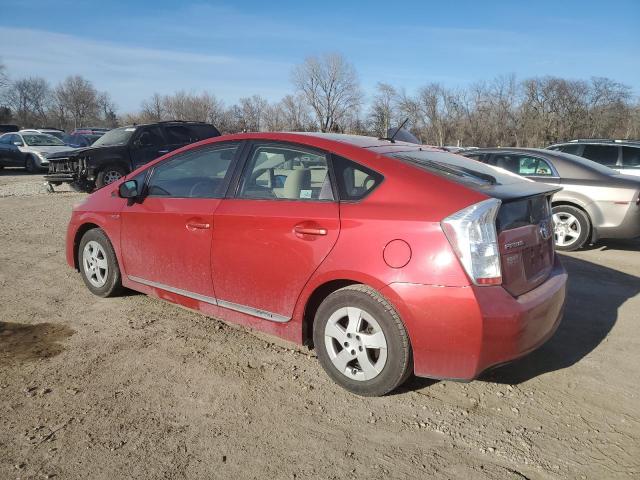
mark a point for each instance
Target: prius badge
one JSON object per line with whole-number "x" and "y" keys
{"x": 545, "y": 230}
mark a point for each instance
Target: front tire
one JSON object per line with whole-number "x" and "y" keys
{"x": 361, "y": 342}
{"x": 30, "y": 164}
{"x": 99, "y": 265}
{"x": 109, "y": 175}
{"x": 571, "y": 228}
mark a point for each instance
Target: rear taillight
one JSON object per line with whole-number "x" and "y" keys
{"x": 473, "y": 236}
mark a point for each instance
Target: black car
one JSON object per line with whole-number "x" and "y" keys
{"x": 122, "y": 150}
{"x": 7, "y": 128}
{"x": 621, "y": 155}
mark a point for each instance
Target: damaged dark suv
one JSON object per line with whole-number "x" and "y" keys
{"x": 121, "y": 151}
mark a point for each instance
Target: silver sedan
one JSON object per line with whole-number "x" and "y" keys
{"x": 595, "y": 202}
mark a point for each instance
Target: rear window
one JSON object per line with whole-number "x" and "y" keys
{"x": 454, "y": 167}
{"x": 602, "y": 154}
{"x": 631, "y": 157}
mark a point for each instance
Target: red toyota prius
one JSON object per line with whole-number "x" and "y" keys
{"x": 387, "y": 257}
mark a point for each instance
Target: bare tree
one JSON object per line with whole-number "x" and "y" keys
{"x": 249, "y": 113}
{"x": 78, "y": 98}
{"x": 383, "y": 112}
{"x": 29, "y": 100}
{"x": 297, "y": 117}
{"x": 153, "y": 108}
{"x": 330, "y": 86}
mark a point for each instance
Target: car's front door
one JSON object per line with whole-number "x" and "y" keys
{"x": 270, "y": 238}
{"x": 148, "y": 144}
{"x": 166, "y": 237}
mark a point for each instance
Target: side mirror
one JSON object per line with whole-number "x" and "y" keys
{"x": 128, "y": 189}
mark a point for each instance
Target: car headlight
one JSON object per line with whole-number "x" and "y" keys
{"x": 41, "y": 155}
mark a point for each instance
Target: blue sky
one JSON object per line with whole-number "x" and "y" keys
{"x": 235, "y": 49}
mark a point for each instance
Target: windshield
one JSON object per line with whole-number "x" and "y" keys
{"x": 42, "y": 140}
{"x": 118, "y": 136}
{"x": 455, "y": 167}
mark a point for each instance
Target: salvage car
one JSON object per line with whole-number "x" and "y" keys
{"x": 121, "y": 150}
{"x": 595, "y": 202}
{"x": 387, "y": 257}
{"x": 29, "y": 150}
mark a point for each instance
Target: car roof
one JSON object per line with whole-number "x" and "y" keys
{"x": 378, "y": 145}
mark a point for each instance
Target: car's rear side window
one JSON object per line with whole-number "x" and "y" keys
{"x": 354, "y": 180}
{"x": 200, "y": 173}
{"x": 286, "y": 173}
{"x": 602, "y": 154}
{"x": 631, "y": 157}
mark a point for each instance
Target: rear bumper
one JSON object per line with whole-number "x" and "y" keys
{"x": 458, "y": 332}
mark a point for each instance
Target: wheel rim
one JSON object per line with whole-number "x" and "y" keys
{"x": 566, "y": 229}
{"x": 111, "y": 176}
{"x": 355, "y": 343}
{"x": 94, "y": 262}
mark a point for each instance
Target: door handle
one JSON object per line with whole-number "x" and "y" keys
{"x": 163, "y": 151}
{"x": 198, "y": 226}
{"x": 302, "y": 230}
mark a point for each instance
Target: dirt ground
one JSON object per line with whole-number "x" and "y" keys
{"x": 134, "y": 387}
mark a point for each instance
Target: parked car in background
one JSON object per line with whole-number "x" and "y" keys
{"x": 79, "y": 140}
{"x": 595, "y": 202}
{"x": 389, "y": 257}
{"x": 122, "y": 150}
{"x": 29, "y": 150}
{"x": 56, "y": 132}
{"x": 6, "y": 128}
{"x": 621, "y": 155}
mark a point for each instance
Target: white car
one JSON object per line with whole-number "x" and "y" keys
{"x": 620, "y": 155}
{"x": 29, "y": 150}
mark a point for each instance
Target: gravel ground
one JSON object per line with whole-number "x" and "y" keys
{"x": 134, "y": 387}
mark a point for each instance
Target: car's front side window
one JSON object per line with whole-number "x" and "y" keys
{"x": 200, "y": 173}
{"x": 286, "y": 173}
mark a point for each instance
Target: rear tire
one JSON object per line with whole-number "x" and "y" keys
{"x": 109, "y": 174}
{"x": 98, "y": 264}
{"x": 30, "y": 164}
{"x": 571, "y": 228}
{"x": 361, "y": 342}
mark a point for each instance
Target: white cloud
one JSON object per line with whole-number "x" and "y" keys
{"x": 132, "y": 73}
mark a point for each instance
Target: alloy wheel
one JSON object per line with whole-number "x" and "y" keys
{"x": 111, "y": 176}
{"x": 95, "y": 265}
{"x": 356, "y": 344}
{"x": 566, "y": 229}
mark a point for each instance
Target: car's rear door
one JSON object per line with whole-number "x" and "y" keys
{"x": 275, "y": 231}
{"x": 166, "y": 237}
